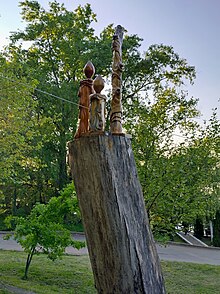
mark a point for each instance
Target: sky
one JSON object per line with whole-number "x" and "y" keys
{"x": 192, "y": 27}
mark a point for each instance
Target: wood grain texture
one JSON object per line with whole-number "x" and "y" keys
{"x": 120, "y": 243}
{"x": 85, "y": 90}
{"x": 117, "y": 67}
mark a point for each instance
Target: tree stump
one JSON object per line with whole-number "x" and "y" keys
{"x": 120, "y": 244}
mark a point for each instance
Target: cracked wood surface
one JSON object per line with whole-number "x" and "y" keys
{"x": 120, "y": 244}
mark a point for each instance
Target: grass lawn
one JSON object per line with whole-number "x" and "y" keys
{"x": 73, "y": 275}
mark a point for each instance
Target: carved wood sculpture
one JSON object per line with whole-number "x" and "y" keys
{"x": 86, "y": 88}
{"x": 121, "y": 247}
{"x": 117, "y": 67}
{"x": 97, "y": 107}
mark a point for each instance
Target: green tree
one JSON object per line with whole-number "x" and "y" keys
{"x": 17, "y": 120}
{"x": 44, "y": 231}
{"x": 180, "y": 181}
{"x": 60, "y": 42}
{"x": 18, "y": 129}
{"x": 23, "y": 136}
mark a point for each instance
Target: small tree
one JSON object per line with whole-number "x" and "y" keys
{"x": 43, "y": 230}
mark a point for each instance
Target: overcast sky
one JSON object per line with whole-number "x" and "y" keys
{"x": 192, "y": 27}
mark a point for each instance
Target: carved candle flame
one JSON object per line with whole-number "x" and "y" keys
{"x": 89, "y": 70}
{"x": 98, "y": 84}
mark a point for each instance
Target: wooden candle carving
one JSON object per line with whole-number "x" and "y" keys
{"x": 86, "y": 88}
{"x": 117, "y": 67}
{"x": 97, "y": 106}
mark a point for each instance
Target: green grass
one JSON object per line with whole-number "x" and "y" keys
{"x": 73, "y": 275}
{"x": 191, "y": 278}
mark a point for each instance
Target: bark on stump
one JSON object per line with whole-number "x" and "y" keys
{"x": 120, "y": 244}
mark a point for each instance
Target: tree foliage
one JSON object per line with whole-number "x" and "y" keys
{"x": 180, "y": 180}
{"x": 24, "y": 132}
{"x": 43, "y": 229}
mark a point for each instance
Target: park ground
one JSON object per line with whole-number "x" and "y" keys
{"x": 73, "y": 274}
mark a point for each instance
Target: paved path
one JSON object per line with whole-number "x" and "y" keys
{"x": 189, "y": 253}
{"x": 11, "y": 244}
{"x": 172, "y": 252}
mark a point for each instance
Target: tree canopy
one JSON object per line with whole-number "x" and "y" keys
{"x": 179, "y": 179}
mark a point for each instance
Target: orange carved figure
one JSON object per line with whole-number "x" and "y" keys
{"x": 85, "y": 90}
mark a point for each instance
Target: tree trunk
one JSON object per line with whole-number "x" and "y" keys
{"x": 28, "y": 262}
{"x": 121, "y": 247}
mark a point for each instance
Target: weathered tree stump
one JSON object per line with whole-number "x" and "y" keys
{"x": 121, "y": 247}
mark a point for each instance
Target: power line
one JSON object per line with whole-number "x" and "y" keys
{"x": 43, "y": 92}
{"x": 58, "y": 97}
